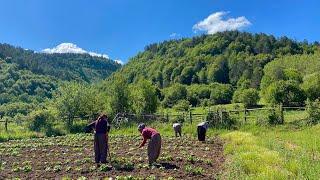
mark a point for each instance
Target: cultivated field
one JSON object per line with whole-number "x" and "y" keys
{"x": 72, "y": 157}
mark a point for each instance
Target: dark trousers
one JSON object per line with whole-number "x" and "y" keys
{"x": 177, "y": 130}
{"x": 100, "y": 148}
{"x": 154, "y": 148}
{"x": 201, "y": 133}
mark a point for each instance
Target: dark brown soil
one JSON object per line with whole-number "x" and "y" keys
{"x": 72, "y": 157}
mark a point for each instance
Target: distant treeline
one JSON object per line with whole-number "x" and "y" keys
{"x": 205, "y": 70}
{"x": 69, "y": 67}
{"x": 225, "y": 67}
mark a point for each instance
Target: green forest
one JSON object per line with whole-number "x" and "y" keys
{"x": 277, "y": 78}
{"x": 227, "y": 67}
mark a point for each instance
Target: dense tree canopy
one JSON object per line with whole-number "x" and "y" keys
{"x": 70, "y": 67}
{"x": 199, "y": 71}
{"x": 224, "y": 57}
{"x": 210, "y": 68}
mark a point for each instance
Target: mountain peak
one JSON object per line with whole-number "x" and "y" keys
{"x": 71, "y": 48}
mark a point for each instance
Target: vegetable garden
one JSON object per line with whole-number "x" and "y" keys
{"x": 72, "y": 157}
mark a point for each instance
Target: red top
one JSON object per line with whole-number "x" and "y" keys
{"x": 147, "y": 133}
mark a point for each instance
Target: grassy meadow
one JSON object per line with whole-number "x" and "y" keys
{"x": 257, "y": 151}
{"x": 253, "y": 150}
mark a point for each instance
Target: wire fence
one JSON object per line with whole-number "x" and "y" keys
{"x": 244, "y": 115}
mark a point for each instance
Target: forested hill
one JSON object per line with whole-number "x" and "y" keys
{"x": 79, "y": 67}
{"x": 227, "y": 57}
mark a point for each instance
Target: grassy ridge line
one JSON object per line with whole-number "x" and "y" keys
{"x": 274, "y": 153}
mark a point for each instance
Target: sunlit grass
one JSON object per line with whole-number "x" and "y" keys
{"x": 273, "y": 153}
{"x": 16, "y": 132}
{"x": 289, "y": 151}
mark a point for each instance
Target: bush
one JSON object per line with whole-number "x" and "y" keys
{"x": 40, "y": 119}
{"x": 44, "y": 121}
{"x": 144, "y": 98}
{"x": 178, "y": 119}
{"x": 249, "y": 97}
{"x": 221, "y": 119}
{"x": 286, "y": 92}
{"x": 311, "y": 86}
{"x": 221, "y": 93}
{"x": 275, "y": 117}
{"x": 173, "y": 94}
{"x": 54, "y": 131}
{"x": 78, "y": 127}
{"x": 313, "y": 110}
{"x": 182, "y": 105}
{"x": 198, "y": 92}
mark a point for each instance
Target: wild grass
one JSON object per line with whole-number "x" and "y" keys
{"x": 273, "y": 153}
{"x": 16, "y": 132}
{"x": 288, "y": 151}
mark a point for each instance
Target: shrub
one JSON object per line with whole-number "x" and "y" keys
{"x": 311, "y": 86}
{"x": 221, "y": 93}
{"x": 286, "y": 92}
{"x": 182, "y": 105}
{"x": 221, "y": 119}
{"x": 275, "y": 117}
{"x": 144, "y": 98}
{"x": 249, "y": 97}
{"x": 40, "y": 119}
{"x": 178, "y": 119}
{"x": 78, "y": 127}
{"x": 313, "y": 110}
{"x": 44, "y": 121}
{"x": 55, "y": 130}
{"x": 173, "y": 94}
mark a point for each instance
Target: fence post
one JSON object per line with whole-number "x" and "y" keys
{"x": 6, "y": 125}
{"x": 221, "y": 116}
{"x": 281, "y": 114}
{"x": 167, "y": 117}
{"x": 245, "y": 114}
{"x": 190, "y": 116}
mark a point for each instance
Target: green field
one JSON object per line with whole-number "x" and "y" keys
{"x": 288, "y": 151}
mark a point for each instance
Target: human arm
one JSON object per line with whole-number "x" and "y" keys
{"x": 143, "y": 141}
{"x": 90, "y": 127}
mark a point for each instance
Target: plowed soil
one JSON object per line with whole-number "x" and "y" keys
{"x": 72, "y": 157}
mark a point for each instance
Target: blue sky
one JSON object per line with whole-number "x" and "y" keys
{"x": 122, "y": 28}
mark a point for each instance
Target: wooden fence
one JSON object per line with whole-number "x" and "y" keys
{"x": 188, "y": 116}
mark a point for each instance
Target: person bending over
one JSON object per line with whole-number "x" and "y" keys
{"x": 177, "y": 129}
{"x": 154, "y": 145}
{"x": 202, "y": 130}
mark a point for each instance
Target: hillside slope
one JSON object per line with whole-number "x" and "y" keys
{"x": 224, "y": 57}
{"x": 80, "y": 67}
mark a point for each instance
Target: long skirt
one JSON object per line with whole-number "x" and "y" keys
{"x": 154, "y": 148}
{"x": 100, "y": 148}
{"x": 177, "y": 130}
{"x": 201, "y": 133}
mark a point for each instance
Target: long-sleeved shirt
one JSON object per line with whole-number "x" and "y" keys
{"x": 100, "y": 126}
{"x": 204, "y": 124}
{"x": 176, "y": 124}
{"x": 147, "y": 133}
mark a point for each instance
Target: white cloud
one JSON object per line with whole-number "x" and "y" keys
{"x": 175, "y": 35}
{"x": 71, "y": 48}
{"x": 217, "y": 22}
{"x": 119, "y": 61}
